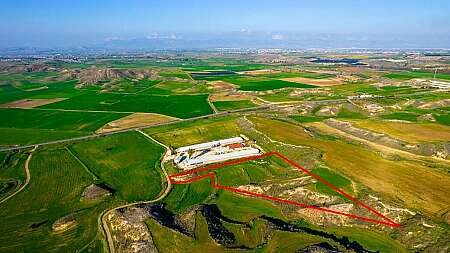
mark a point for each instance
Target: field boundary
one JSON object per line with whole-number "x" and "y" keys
{"x": 383, "y": 221}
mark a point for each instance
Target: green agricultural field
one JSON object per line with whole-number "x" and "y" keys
{"x": 408, "y": 116}
{"x": 187, "y": 133}
{"x": 296, "y": 74}
{"x": 56, "y": 120}
{"x": 24, "y": 136}
{"x": 233, "y": 105}
{"x": 57, "y": 182}
{"x": 63, "y": 89}
{"x": 128, "y": 163}
{"x": 177, "y": 74}
{"x": 180, "y": 106}
{"x": 407, "y": 75}
{"x": 27, "y": 126}
{"x": 127, "y": 85}
{"x": 262, "y": 84}
{"x": 173, "y": 87}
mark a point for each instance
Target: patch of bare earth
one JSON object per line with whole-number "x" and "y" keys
{"x": 221, "y": 85}
{"x": 260, "y": 72}
{"x": 64, "y": 223}
{"x": 229, "y": 97}
{"x": 129, "y": 232}
{"x": 318, "y": 82}
{"x": 135, "y": 120}
{"x": 30, "y": 103}
{"x": 38, "y": 88}
{"x": 93, "y": 192}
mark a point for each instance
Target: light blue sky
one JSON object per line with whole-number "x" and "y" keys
{"x": 78, "y": 22}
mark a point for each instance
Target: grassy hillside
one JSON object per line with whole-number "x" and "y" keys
{"x": 57, "y": 182}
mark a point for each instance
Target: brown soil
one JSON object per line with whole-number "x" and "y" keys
{"x": 229, "y": 97}
{"x": 317, "y": 82}
{"x": 261, "y": 72}
{"x": 64, "y": 223}
{"x": 94, "y": 192}
{"x": 221, "y": 85}
{"x": 135, "y": 120}
{"x": 30, "y": 103}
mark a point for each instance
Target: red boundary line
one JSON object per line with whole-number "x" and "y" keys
{"x": 386, "y": 221}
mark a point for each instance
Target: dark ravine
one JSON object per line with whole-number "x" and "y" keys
{"x": 320, "y": 247}
{"x": 164, "y": 217}
{"x": 344, "y": 241}
{"x": 223, "y": 236}
{"x": 215, "y": 227}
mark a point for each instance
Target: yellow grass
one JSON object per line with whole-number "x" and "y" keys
{"x": 30, "y": 103}
{"x": 417, "y": 186}
{"x": 135, "y": 120}
{"x": 224, "y": 96}
{"x": 260, "y": 72}
{"x": 318, "y": 82}
{"x": 222, "y": 85}
{"x": 409, "y": 132}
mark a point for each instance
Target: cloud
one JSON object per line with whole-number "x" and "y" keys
{"x": 279, "y": 37}
{"x": 113, "y": 38}
{"x": 161, "y": 36}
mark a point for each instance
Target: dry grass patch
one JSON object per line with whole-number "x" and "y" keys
{"x": 221, "y": 85}
{"x": 417, "y": 186}
{"x": 229, "y": 97}
{"x": 135, "y": 120}
{"x": 318, "y": 82}
{"x": 260, "y": 72}
{"x": 30, "y": 103}
{"x": 409, "y": 132}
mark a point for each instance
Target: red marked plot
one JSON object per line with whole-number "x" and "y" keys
{"x": 177, "y": 179}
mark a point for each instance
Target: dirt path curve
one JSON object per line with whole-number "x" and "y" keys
{"x": 161, "y": 195}
{"x": 27, "y": 174}
{"x": 213, "y": 107}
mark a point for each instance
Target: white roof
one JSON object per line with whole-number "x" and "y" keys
{"x": 221, "y": 157}
{"x": 211, "y": 144}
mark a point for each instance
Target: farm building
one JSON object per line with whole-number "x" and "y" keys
{"x": 196, "y": 155}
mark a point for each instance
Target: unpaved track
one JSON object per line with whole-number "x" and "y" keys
{"x": 161, "y": 195}
{"x": 27, "y": 173}
{"x": 213, "y": 107}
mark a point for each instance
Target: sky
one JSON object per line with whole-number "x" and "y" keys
{"x": 64, "y": 23}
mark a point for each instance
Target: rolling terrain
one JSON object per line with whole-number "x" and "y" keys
{"x": 86, "y": 162}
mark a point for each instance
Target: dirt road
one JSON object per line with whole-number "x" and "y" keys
{"x": 27, "y": 174}
{"x": 161, "y": 196}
